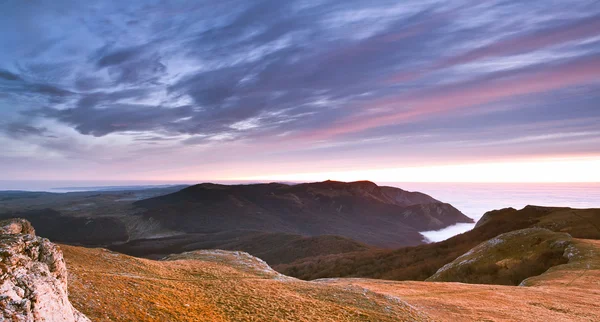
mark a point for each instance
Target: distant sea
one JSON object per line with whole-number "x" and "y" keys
{"x": 473, "y": 199}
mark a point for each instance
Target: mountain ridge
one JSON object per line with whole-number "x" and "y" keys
{"x": 379, "y": 216}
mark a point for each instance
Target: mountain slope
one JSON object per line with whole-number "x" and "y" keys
{"x": 420, "y": 262}
{"x": 509, "y": 258}
{"x": 233, "y": 286}
{"x": 565, "y": 292}
{"x": 378, "y": 216}
{"x": 69, "y": 229}
{"x": 275, "y": 248}
{"x": 213, "y": 286}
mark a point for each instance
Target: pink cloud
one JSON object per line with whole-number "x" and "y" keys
{"x": 546, "y": 38}
{"x": 443, "y": 100}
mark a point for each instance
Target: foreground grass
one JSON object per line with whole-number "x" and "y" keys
{"x": 566, "y": 292}
{"x": 213, "y": 286}
{"x": 231, "y": 286}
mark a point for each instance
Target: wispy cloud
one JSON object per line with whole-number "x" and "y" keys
{"x": 138, "y": 78}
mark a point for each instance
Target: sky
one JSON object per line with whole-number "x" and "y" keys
{"x": 415, "y": 90}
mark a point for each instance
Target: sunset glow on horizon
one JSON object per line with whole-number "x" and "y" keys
{"x": 425, "y": 91}
{"x": 586, "y": 170}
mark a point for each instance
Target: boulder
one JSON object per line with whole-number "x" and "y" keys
{"x": 33, "y": 277}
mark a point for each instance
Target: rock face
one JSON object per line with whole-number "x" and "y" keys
{"x": 33, "y": 280}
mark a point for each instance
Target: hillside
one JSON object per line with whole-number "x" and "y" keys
{"x": 218, "y": 285}
{"x": 213, "y": 286}
{"x": 421, "y": 262}
{"x": 378, "y": 216}
{"x": 233, "y": 286}
{"x": 509, "y": 258}
{"x": 563, "y": 290}
{"x": 94, "y": 218}
{"x": 275, "y": 248}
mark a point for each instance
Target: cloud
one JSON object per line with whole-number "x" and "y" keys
{"x": 117, "y": 118}
{"x": 9, "y": 76}
{"x": 511, "y": 45}
{"x": 18, "y": 130}
{"x": 443, "y": 100}
{"x": 199, "y": 74}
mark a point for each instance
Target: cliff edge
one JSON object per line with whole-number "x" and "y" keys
{"x": 33, "y": 277}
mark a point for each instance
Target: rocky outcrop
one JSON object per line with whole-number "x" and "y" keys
{"x": 33, "y": 277}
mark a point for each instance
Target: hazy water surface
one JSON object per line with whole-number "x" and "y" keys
{"x": 474, "y": 199}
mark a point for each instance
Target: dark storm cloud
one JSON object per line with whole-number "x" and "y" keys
{"x": 234, "y": 70}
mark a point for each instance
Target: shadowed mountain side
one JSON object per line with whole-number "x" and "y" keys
{"x": 420, "y": 262}
{"x": 77, "y": 230}
{"x": 378, "y": 216}
{"x": 274, "y": 248}
{"x": 94, "y": 218}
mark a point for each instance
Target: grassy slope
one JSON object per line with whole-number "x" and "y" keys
{"x": 216, "y": 286}
{"x": 213, "y": 286}
{"x": 420, "y": 262}
{"x": 581, "y": 271}
{"x": 508, "y": 258}
{"x": 567, "y": 292}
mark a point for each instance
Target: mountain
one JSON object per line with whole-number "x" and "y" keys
{"x": 378, "y": 216}
{"x": 280, "y": 223}
{"x": 423, "y": 261}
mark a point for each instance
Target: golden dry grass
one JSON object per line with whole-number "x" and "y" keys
{"x": 108, "y": 286}
{"x": 199, "y": 286}
{"x": 476, "y": 302}
{"x": 569, "y": 292}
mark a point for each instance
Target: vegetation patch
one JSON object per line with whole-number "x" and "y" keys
{"x": 508, "y": 259}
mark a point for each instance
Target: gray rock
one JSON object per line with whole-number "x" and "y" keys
{"x": 33, "y": 277}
